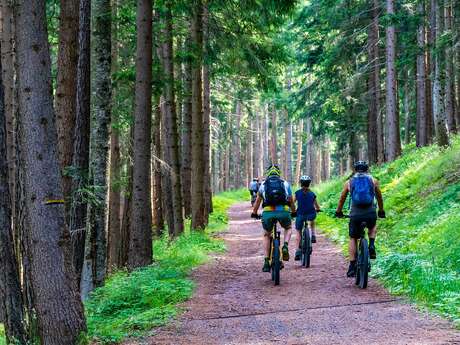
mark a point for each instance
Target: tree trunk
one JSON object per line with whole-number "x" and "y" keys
{"x": 407, "y": 122}
{"x": 158, "y": 219}
{"x": 393, "y": 145}
{"x": 59, "y": 311}
{"x": 95, "y": 262}
{"x": 438, "y": 112}
{"x": 266, "y": 144}
{"x": 187, "y": 135}
{"x": 325, "y": 161}
{"x": 299, "y": 151}
{"x": 421, "y": 137}
{"x": 256, "y": 149}
{"x": 456, "y": 26}
{"x": 140, "y": 241}
{"x": 80, "y": 156}
{"x": 114, "y": 227}
{"x": 288, "y": 147}
{"x": 308, "y": 151}
{"x": 11, "y": 306}
{"x": 66, "y": 90}
{"x": 207, "y": 120}
{"x": 249, "y": 156}
{"x": 198, "y": 219}
{"x": 172, "y": 137}
{"x": 449, "y": 99}
{"x": 430, "y": 33}
{"x": 236, "y": 150}
{"x": 8, "y": 69}
{"x": 273, "y": 142}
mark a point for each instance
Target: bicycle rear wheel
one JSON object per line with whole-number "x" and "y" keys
{"x": 363, "y": 264}
{"x": 276, "y": 262}
{"x": 306, "y": 247}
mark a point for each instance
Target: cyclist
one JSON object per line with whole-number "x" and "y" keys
{"x": 363, "y": 188}
{"x": 307, "y": 206}
{"x": 253, "y": 189}
{"x": 275, "y": 195}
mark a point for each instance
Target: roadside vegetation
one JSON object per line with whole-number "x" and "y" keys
{"x": 130, "y": 304}
{"x": 418, "y": 247}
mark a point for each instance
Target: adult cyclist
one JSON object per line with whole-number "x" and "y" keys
{"x": 253, "y": 189}
{"x": 275, "y": 195}
{"x": 363, "y": 189}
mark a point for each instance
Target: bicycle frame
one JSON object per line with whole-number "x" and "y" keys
{"x": 275, "y": 235}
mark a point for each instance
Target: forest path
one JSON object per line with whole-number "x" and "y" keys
{"x": 236, "y": 303}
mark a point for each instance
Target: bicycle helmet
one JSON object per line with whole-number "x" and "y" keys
{"x": 361, "y": 166}
{"x": 273, "y": 170}
{"x": 305, "y": 180}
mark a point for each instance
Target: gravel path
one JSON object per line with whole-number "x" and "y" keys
{"x": 236, "y": 303}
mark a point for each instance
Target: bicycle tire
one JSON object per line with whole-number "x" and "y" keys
{"x": 306, "y": 248}
{"x": 276, "y": 266}
{"x": 363, "y": 264}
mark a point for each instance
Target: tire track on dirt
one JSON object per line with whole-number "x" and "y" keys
{"x": 236, "y": 303}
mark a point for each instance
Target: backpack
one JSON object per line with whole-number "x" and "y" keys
{"x": 275, "y": 193}
{"x": 362, "y": 190}
{"x": 254, "y": 186}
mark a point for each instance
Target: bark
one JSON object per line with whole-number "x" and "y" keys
{"x": 393, "y": 145}
{"x": 207, "y": 120}
{"x": 226, "y": 184}
{"x": 266, "y": 146}
{"x": 236, "y": 150}
{"x": 248, "y": 154}
{"x": 375, "y": 124}
{"x": 172, "y": 136}
{"x": 407, "y": 122}
{"x": 198, "y": 219}
{"x": 256, "y": 149}
{"x": 421, "y": 137}
{"x": 457, "y": 61}
{"x": 438, "y": 107}
{"x": 11, "y": 305}
{"x": 288, "y": 149}
{"x": 127, "y": 205}
{"x": 308, "y": 151}
{"x": 59, "y": 311}
{"x": 114, "y": 226}
{"x": 140, "y": 242}
{"x": 8, "y": 69}
{"x": 187, "y": 136}
{"x": 273, "y": 141}
{"x": 449, "y": 97}
{"x": 430, "y": 33}
{"x": 158, "y": 220}
{"x": 94, "y": 265}
{"x": 325, "y": 161}
{"x": 299, "y": 151}
{"x": 80, "y": 156}
{"x": 66, "y": 90}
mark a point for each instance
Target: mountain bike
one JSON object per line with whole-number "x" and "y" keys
{"x": 306, "y": 245}
{"x": 363, "y": 264}
{"x": 275, "y": 254}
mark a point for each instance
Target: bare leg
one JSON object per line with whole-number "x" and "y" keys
{"x": 287, "y": 235}
{"x": 312, "y": 225}
{"x": 298, "y": 238}
{"x": 373, "y": 232}
{"x": 352, "y": 249}
{"x": 267, "y": 244}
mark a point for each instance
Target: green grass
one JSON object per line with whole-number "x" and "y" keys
{"x": 132, "y": 304}
{"x": 2, "y": 335}
{"x": 418, "y": 243}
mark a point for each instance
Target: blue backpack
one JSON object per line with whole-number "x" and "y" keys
{"x": 362, "y": 190}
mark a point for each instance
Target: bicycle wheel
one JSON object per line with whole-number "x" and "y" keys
{"x": 306, "y": 247}
{"x": 276, "y": 263}
{"x": 363, "y": 264}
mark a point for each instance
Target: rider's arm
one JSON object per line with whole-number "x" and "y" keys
{"x": 378, "y": 195}
{"x": 316, "y": 205}
{"x": 257, "y": 204}
{"x": 343, "y": 197}
{"x": 291, "y": 203}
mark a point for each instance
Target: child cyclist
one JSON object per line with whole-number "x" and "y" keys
{"x": 307, "y": 207}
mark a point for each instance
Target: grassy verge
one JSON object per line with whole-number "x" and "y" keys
{"x": 2, "y": 335}
{"x": 418, "y": 244}
{"x": 131, "y": 304}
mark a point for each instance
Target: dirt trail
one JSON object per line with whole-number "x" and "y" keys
{"x": 236, "y": 303}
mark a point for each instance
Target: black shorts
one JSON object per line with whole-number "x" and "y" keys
{"x": 356, "y": 230}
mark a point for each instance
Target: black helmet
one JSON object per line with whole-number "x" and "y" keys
{"x": 361, "y": 166}
{"x": 305, "y": 180}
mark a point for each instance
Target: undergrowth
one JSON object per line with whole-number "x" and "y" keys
{"x": 418, "y": 244}
{"x": 130, "y": 304}
{"x": 2, "y": 335}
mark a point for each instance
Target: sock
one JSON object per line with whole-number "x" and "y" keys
{"x": 372, "y": 242}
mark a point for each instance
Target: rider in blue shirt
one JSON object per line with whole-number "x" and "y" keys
{"x": 307, "y": 207}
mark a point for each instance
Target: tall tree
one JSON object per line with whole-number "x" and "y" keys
{"x": 438, "y": 106}
{"x": 449, "y": 96}
{"x": 393, "y": 145}
{"x": 57, "y": 304}
{"x": 257, "y": 147}
{"x": 266, "y": 146}
{"x": 12, "y": 312}
{"x": 207, "y": 116}
{"x": 94, "y": 266}
{"x": 158, "y": 218}
{"x": 299, "y": 151}
{"x": 80, "y": 156}
{"x": 140, "y": 242}
{"x": 198, "y": 202}
{"x": 66, "y": 89}
{"x": 274, "y": 135}
{"x": 421, "y": 136}
{"x": 288, "y": 147}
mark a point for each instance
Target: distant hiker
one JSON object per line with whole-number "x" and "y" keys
{"x": 307, "y": 207}
{"x": 275, "y": 195}
{"x": 253, "y": 189}
{"x": 363, "y": 189}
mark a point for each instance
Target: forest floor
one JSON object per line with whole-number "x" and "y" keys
{"x": 236, "y": 303}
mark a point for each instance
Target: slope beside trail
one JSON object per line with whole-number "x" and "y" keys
{"x": 236, "y": 303}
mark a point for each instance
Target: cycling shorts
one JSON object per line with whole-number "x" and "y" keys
{"x": 356, "y": 230}
{"x": 302, "y": 218}
{"x": 269, "y": 218}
